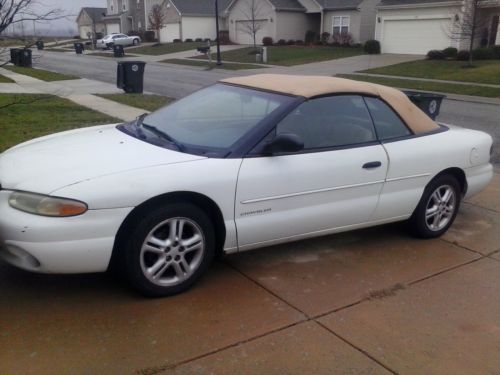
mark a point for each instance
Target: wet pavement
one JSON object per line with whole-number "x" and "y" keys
{"x": 371, "y": 301}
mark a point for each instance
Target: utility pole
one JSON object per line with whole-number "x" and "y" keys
{"x": 217, "y": 31}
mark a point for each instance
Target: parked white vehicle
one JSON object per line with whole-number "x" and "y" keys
{"x": 245, "y": 163}
{"x": 117, "y": 39}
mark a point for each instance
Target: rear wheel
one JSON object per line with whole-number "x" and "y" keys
{"x": 437, "y": 208}
{"x": 169, "y": 250}
{"x": 136, "y": 42}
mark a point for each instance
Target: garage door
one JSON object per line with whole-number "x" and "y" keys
{"x": 112, "y": 28}
{"x": 245, "y": 36}
{"x": 170, "y": 32}
{"x": 415, "y": 36}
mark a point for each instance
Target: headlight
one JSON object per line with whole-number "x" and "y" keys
{"x": 46, "y": 205}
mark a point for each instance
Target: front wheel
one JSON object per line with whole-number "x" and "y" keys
{"x": 437, "y": 208}
{"x": 169, "y": 250}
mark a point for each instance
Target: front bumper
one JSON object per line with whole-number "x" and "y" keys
{"x": 78, "y": 244}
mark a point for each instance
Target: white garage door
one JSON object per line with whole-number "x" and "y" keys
{"x": 244, "y": 34}
{"x": 112, "y": 28}
{"x": 415, "y": 36}
{"x": 170, "y": 32}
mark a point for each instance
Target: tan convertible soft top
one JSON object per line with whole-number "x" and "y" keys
{"x": 310, "y": 86}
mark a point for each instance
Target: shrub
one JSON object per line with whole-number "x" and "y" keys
{"x": 483, "y": 53}
{"x": 299, "y": 42}
{"x": 207, "y": 40}
{"x": 462, "y": 55}
{"x": 450, "y": 52}
{"x": 436, "y": 55}
{"x": 325, "y": 38}
{"x": 267, "y": 41}
{"x": 99, "y": 35}
{"x": 77, "y": 37}
{"x": 177, "y": 41}
{"x": 198, "y": 40}
{"x": 290, "y": 42}
{"x": 372, "y": 47}
{"x": 344, "y": 40}
{"x": 149, "y": 36}
{"x": 281, "y": 42}
{"x": 496, "y": 51}
{"x": 188, "y": 40}
{"x": 311, "y": 36}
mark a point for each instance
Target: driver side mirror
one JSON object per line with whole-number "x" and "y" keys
{"x": 283, "y": 143}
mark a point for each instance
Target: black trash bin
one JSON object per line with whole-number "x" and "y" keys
{"x": 130, "y": 76}
{"x": 118, "y": 51}
{"x": 427, "y": 102}
{"x": 25, "y": 58}
{"x": 40, "y": 45}
{"x": 15, "y": 56}
{"x": 79, "y": 47}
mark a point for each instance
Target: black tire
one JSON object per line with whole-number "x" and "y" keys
{"x": 136, "y": 42}
{"x": 110, "y": 45}
{"x": 136, "y": 265}
{"x": 420, "y": 222}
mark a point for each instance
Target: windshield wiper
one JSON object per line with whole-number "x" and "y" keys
{"x": 138, "y": 123}
{"x": 163, "y": 135}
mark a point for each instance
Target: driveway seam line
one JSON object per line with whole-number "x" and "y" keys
{"x": 462, "y": 247}
{"x": 357, "y": 348}
{"x": 479, "y": 206}
{"x": 266, "y": 289}
{"x": 158, "y": 369}
{"x": 445, "y": 271}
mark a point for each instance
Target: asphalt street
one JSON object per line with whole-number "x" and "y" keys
{"x": 178, "y": 81}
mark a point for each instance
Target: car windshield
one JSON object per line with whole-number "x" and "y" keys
{"x": 215, "y": 118}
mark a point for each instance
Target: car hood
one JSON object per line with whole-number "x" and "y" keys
{"x": 49, "y": 163}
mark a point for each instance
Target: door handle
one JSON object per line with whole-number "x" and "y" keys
{"x": 372, "y": 164}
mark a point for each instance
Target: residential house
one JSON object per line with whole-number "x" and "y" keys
{"x": 90, "y": 21}
{"x": 124, "y": 16}
{"x": 189, "y": 19}
{"x": 417, "y": 26}
{"x": 291, "y": 19}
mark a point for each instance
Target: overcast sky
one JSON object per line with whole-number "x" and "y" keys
{"x": 70, "y": 7}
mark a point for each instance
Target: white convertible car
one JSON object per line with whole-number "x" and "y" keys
{"x": 246, "y": 163}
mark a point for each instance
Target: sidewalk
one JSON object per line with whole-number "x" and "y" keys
{"x": 79, "y": 91}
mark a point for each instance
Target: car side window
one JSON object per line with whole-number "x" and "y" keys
{"x": 332, "y": 121}
{"x": 387, "y": 123}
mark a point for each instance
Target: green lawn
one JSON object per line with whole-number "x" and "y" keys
{"x": 27, "y": 116}
{"x": 228, "y": 66}
{"x": 59, "y": 50}
{"x": 143, "y": 101}
{"x": 163, "y": 49}
{"x": 290, "y": 55}
{"x": 4, "y": 79}
{"x": 44, "y": 75}
{"x": 450, "y": 88}
{"x": 486, "y": 71}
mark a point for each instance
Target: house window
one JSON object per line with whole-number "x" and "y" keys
{"x": 112, "y": 6}
{"x": 124, "y": 5}
{"x": 138, "y": 4}
{"x": 340, "y": 25}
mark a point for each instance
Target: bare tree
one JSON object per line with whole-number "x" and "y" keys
{"x": 157, "y": 19}
{"x": 254, "y": 13}
{"x": 20, "y": 11}
{"x": 469, "y": 25}
{"x": 17, "y": 12}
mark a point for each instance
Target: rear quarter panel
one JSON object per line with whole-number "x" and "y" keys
{"x": 414, "y": 162}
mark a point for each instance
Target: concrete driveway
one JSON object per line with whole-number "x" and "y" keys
{"x": 370, "y": 301}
